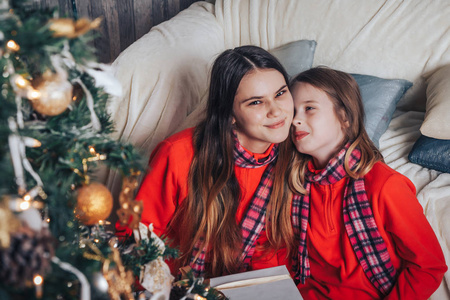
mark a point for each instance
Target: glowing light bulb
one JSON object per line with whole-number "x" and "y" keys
{"x": 13, "y": 46}
{"x": 38, "y": 281}
{"x": 24, "y": 205}
{"x": 33, "y": 94}
{"x": 21, "y": 82}
{"x": 137, "y": 208}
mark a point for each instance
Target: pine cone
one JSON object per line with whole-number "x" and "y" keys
{"x": 177, "y": 292}
{"x": 29, "y": 254}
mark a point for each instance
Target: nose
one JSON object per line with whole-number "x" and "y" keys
{"x": 296, "y": 120}
{"x": 274, "y": 109}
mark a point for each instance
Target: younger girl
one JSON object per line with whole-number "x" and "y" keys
{"x": 361, "y": 232}
{"x": 208, "y": 188}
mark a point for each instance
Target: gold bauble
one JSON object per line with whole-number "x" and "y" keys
{"x": 54, "y": 94}
{"x": 94, "y": 203}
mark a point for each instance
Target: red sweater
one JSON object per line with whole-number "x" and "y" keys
{"x": 411, "y": 242}
{"x": 165, "y": 186}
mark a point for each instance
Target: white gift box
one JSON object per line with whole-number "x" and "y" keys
{"x": 265, "y": 284}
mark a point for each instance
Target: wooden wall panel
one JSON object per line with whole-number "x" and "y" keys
{"x": 143, "y": 12}
{"x": 124, "y": 21}
{"x": 126, "y": 24}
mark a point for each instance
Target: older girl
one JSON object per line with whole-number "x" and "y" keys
{"x": 361, "y": 232}
{"x": 208, "y": 187}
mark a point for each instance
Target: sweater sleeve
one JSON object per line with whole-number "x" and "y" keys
{"x": 160, "y": 188}
{"x": 415, "y": 241}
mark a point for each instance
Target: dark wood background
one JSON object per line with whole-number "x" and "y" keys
{"x": 124, "y": 21}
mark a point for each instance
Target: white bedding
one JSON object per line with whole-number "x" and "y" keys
{"x": 433, "y": 187}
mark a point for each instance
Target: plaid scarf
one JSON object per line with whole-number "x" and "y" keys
{"x": 368, "y": 245}
{"x": 255, "y": 218}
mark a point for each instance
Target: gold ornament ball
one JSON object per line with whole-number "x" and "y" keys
{"x": 94, "y": 203}
{"x": 55, "y": 94}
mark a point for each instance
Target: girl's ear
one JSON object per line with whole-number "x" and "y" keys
{"x": 345, "y": 122}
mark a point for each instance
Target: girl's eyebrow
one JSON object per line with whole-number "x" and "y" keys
{"x": 281, "y": 88}
{"x": 310, "y": 101}
{"x": 252, "y": 98}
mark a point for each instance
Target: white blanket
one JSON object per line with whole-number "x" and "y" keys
{"x": 433, "y": 188}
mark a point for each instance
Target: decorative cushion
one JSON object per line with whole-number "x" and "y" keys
{"x": 380, "y": 97}
{"x": 431, "y": 153}
{"x": 437, "y": 121}
{"x": 296, "y": 57}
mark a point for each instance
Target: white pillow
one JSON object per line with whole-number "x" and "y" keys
{"x": 437, "y": 117}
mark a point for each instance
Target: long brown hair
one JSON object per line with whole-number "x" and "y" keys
{"x": 209, "y": 212}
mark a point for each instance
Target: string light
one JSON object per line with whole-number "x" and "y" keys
{"x": 137, "y": 208}
{"x": 31, "y": 142}
{"x": 38, "y": 281}
{"x": 195, "y": 296}
{"x": 103, "y": 222}
{"x": 92, "y": 150}
{"x": 33, "y": 94}
{"x": 84, "y": 161}
{"x": 24, "y": 205}
{"x": 13, "y": 46}
{"x": 37, "y": 190}
{"x": 21, "y": 82}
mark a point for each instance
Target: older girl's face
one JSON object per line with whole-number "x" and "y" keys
{"x": 262, "y": 110}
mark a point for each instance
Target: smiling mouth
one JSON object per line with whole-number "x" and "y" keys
{"x": 300, "y": 134}
{"x": 277, "y": 125}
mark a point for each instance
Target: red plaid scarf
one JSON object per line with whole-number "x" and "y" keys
{"x": 255, "y": 218}
{"x": 369, "y": 246}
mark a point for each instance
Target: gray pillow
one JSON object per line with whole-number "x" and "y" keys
{"x": 380, "y": 97}
{"x": 296, "y": 56}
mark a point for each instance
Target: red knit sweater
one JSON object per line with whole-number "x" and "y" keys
{"x": 410, "y": 240}
{"x": 165, "y": 186}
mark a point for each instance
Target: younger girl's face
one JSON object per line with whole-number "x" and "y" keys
{"x": 262, "y": 110}
{"x": 316, "y": 129}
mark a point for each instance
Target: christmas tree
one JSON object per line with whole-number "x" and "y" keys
{"x": 55, "y": 240}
